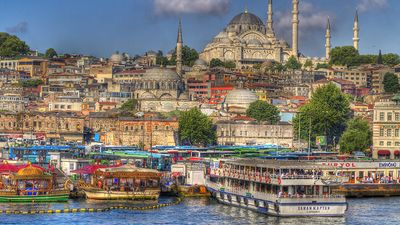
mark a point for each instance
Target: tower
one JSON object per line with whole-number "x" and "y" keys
{"x": 328, "y": 40}
{"x": 356, "y": 30}
{"x": 179, "y": 44}
{"x": 295, "y": 27}
{"x": 270, "y": 28}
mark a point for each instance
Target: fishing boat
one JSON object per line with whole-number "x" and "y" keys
{"x": 31, "y": 184}
{"x": 126, "y": 182}
{"x": 278, "y": 188}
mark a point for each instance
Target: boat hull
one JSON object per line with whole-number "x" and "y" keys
{"x": 275, "y": 207}
{"x": 38, "y": 198}
{"x": 121, "y": 195}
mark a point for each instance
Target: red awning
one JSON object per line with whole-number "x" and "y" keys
{"x": 383, "y": 152}
{"x": 8, "y": 168}
{"x": 397, "y": 152}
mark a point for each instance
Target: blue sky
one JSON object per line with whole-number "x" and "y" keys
{"x": 100, "y": 27}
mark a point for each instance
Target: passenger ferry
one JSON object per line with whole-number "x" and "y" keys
{"x": 278, "y": 188}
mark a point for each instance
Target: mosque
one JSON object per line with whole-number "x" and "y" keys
{"x": 247, "y": 41}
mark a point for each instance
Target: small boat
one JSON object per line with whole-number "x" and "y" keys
{"x": 31, "y": 184}
{"x": 277, "y": 188}
{"x": 124, "y": 183}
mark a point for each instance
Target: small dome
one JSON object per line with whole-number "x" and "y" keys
{"x": 240, "y": 97}
{"x": 246, "y": 18}
{"x": 30, "y": 171}
{"x": 222, "y": 35}
{"x": 200, "y": 62}
{"x": 116, "y": 57}
{"x": 159, "y": 74}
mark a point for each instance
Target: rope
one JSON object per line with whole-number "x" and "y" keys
{"x": 92, "y": 210}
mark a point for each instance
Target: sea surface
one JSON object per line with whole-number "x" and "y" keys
{"x": 361, "y": 211}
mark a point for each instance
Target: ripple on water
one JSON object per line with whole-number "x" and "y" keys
{"x": 200, "y": 211}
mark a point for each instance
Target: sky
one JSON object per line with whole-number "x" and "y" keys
{"x": 101, "y": 27}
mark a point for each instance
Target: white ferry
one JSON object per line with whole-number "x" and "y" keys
{"x": 278, "y": 188}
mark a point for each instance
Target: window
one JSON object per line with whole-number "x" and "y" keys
{"x": 397, "y": 116}
{"x": 389, "y": 132}
{"x": 381, "y": 143}
{"x": 396, "y": 132}
{"x": 397, "y": 143}
{"x": 222, "y": 133}
{"x": 381, "y": 132}
{"x": 389, "y": 116}
{"x": 382, "y": 116}
{"x": 241, "y": 133}
{"x": 389, "y": 143}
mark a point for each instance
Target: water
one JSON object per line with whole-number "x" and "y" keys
{"x": 201, "y": 211}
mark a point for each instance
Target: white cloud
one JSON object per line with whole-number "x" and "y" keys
{"x": 365, "y": 5}
{"x": 176, "y": 7}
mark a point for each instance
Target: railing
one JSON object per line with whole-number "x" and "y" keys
{"x": 274, "y": 197}
{"x": 262, "y": 177}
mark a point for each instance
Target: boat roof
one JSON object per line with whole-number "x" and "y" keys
{"x": 276, "y": 164}
{"x": 127, "y": 168}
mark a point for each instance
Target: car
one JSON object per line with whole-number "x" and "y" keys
{"x": 359, "y": 154}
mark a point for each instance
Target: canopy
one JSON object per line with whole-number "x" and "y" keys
{"x": 383, "y": 152}
{"x": 90, "y": 169}
{"x": 397, "y": 152}
{"x": 8, "y": 168}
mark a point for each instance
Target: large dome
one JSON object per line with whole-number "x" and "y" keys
{"x": 30, "y": 171}
{"x": 159, "y": 74}
{"x": 246, "y": 18}
{"x": 116, "y": 58}
{"x": 240, "y": 97}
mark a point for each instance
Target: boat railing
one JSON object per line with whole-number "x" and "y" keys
{"x": 263, "y": 177}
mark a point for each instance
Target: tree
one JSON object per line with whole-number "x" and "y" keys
{"x": 230, "y": 65}
{"x": 327, "y": 112}
{"x": 308, "y": 64}
{"x": 263, "y": 112}
{"x": 357, "y": 137}
{"x": 161, "y": 59}
{"x": 216, "y": 63}
{"x": 257, "y": 66}
{"x": 129, "y": 105}
{"x": 195, "y": 128}
{"x": 12, "y": 46}
{"x": 343, "y": 55}
{"x": 293, "y": 64}
{"x": 50, "y": 53}
{"x": 189, "y": 56}
{"x": 322, "y": 66}
{"x": 379, "y": 60}
{"x": 391, "y": 59}
{"x": 391, "y": 83}
{"x": 30, "y": 83}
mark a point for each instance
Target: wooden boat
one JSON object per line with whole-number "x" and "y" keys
{"x": 125, "y": 182}
{"x": 31, "y": 184}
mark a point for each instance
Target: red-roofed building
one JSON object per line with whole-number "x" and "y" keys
{"x": 219, "y": 93}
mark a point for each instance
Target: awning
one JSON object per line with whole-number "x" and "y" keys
{"x": 397, "y": 152}
{"x": 383, "y": 152}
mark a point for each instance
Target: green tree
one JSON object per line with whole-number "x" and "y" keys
{"x": 30, "y": 83}
{"x": 195, "y": 128}
{"x": 257, "y": 66}
{"x": 216, "y": 63}
{"x": 379, "y": 60}
{"x": 129, "y": 105}
{"x": 50, "y": 53}
{"x": 322, "y": 66}
{"x": 161, "y": 59}
{"x": 263, "y": 112}
{"x": 278, "y": 67}
{"x": 308, "y": 64}
{"x": 189, "y": 56}
{"x": 391, "y": 83}
{"x": 327, "y": 112}
{"x": 12, "y": 46}
{"x": 391, "y": 59}
{"x": 293, "y": 64}
{"x": 357, "y": 137}
{"x": 343, "y": 55}
{"x": 230, "y": 65}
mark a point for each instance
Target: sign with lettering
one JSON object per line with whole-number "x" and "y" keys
{"x": 362, "y": 165}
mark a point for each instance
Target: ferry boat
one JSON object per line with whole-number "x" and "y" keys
{"x": 278, "y": 188}
{"x": 31, "y": 184}
{"x": 125, "y": 182}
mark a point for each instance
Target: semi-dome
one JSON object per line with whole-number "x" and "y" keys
{"x": 240, "y": 97}
{"x": 246, "y": 18}
{"x": 159, "y": 74}
{"x": 30, "y": 171}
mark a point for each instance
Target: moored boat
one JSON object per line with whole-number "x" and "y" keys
{"x": 278, "y": 188}
{"x": 31, "y": 184}
{"x": 124, "y": 182}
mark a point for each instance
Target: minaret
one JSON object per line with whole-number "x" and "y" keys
{"x": 356, "y": 29}
{"x": 179, "y": 44}
{"x": 270, "y": 27}
{"x": 328, "y": 40}
{"x": 295, "y": 28}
